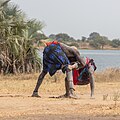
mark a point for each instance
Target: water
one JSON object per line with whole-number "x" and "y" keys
{"x": 103, "y": 58}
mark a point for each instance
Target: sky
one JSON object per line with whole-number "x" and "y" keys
{"x": 77, "y": 18}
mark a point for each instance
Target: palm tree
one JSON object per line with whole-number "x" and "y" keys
{"x": 17, "y": 53}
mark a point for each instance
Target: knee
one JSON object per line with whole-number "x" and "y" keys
{"x": 42, "y": 75}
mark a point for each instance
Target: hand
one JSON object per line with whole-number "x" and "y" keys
{"x": 70, "y": 67}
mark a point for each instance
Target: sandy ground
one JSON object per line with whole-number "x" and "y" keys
{"x": 16, "y": 102}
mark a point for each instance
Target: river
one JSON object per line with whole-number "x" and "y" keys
{"x": 103, "y": 58}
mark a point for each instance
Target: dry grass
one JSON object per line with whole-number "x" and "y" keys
{"x": 108, "y": 75}
{"x": 25, "y": 83}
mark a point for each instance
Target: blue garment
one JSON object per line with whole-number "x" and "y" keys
{"x": 54, "y": 58}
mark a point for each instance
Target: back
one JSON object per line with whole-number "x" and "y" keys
{"x": 70, "y": 52}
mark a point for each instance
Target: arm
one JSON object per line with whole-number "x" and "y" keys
{"x": 91, "y": 83}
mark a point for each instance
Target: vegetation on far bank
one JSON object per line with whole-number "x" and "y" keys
{"x": 94, "y": 41}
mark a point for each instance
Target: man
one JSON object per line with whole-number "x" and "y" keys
{"x": 81, "y": 63}
{"x": 84, "y": 76}
{"x": 58, "y": 56}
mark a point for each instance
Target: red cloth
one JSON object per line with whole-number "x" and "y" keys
{"x": 53, "y": 42}
{"x": 76, "y": 73}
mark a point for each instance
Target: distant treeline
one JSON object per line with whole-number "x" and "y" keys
{"x": 95, "y": 40}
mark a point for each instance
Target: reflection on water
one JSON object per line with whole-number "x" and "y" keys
{"x": 103, "y": 58}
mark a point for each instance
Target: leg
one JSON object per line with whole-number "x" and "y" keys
{"x": 91, "y": 82}
{"x": 66, "y": 87}
{"x": 39, "y": 82}
{"x": 92, "y": 85}
{"x": 69, "y": 85}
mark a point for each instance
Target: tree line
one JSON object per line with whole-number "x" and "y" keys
{"x": 94, "y": 40}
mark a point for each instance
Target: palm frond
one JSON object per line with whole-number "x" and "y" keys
{"x": 4, "y": 3}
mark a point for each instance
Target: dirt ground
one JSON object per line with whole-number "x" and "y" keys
{"x": 16, "y": 102}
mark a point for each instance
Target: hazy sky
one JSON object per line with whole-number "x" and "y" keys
{"x": 77, "y": 18}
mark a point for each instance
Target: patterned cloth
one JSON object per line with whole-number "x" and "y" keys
{"x": 54, "y": 58}
{"x": 82, "y": 75}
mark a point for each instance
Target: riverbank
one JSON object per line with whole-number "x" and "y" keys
{"x": 16, "y": 102}
{"x": 88, "y": 47}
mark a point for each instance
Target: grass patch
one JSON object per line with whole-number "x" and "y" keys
{"x": 25, "y": 83}
{"x": 108, "y": 75}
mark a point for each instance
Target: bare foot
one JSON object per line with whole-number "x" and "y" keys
{"x": 68, "y": 96}
{"x": 35, "y": 94}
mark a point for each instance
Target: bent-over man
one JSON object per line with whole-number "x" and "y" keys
{"x": 58, "y": 56}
